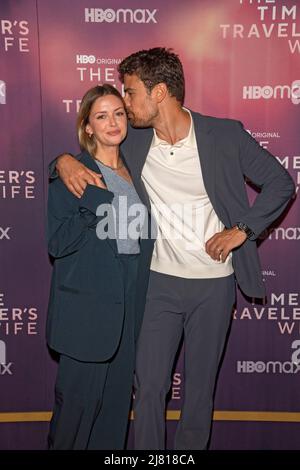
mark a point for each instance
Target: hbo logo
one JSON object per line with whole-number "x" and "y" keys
{"x": 85, "y": 59}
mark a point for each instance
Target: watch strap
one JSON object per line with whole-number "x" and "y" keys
{"x": 244, "y": 228}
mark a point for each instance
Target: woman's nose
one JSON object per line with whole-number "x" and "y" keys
{"x": 112, "y": 121}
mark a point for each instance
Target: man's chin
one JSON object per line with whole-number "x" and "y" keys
{"x": 137, "y": 124}
{"x": 132, "y": 121}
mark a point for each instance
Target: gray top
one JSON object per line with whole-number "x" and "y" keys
{"x": 126, "y": 207}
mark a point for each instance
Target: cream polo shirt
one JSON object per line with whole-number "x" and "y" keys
{"x": 183, "y": 212}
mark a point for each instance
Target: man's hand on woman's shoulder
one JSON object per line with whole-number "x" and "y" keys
{"x": 76, "y": 176}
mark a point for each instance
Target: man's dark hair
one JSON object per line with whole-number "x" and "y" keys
{"x": 153, "y": 66}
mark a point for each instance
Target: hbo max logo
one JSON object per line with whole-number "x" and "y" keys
{"x": 5, "y": 368}
{"x": 270, "y": 367}
{"x": 2, "y": 92}
{"x": 254, "y": 92}
{"x": 97, "y": 15}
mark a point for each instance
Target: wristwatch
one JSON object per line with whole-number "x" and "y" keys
{"x": 244, "y": 228}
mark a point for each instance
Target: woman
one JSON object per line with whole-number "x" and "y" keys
{"x": 92, "y": 321}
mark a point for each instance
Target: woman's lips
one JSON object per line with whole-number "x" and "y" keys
{"x": 114, "y": 133}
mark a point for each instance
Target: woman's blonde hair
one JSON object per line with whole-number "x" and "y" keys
{"x": 86, "y": 142}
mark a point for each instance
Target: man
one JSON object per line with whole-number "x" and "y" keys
{"x": 189, "y": 170}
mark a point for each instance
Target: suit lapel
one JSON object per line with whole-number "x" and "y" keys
{"x": 135, "y": 157}
{"x": 207, "y": 154}
{"x": 89, "y": 162}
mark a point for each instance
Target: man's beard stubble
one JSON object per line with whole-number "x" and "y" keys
{"x": 140, "y": 123}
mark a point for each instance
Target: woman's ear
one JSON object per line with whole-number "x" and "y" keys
{"x": 88, "y": 130}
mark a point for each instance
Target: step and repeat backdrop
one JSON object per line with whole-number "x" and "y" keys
{"x": 241, "y": 60}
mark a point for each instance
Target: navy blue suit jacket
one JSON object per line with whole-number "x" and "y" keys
{"x": 86, "y": 305}
{"x": 228, "y": 154}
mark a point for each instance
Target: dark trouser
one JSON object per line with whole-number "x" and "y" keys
{"x": 201, "y": 308}
{"x": 92, "y": 399}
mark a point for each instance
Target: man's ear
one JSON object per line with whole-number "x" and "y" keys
{"x": 160, "y": 91}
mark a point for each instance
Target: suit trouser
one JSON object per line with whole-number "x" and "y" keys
{"x": 92, "y": 399}
{"x": 201, "y": 309}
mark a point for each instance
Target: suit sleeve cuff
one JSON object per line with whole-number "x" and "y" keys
{"x": 52, "y": 170}
{"x": 93, "y": 197}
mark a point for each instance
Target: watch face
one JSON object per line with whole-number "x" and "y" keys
{"x": 245, "y": 229}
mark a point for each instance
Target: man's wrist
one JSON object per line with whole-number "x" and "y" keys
{"x": 244, "y": 228}
{"x": 60, "y": 158}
